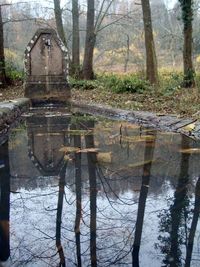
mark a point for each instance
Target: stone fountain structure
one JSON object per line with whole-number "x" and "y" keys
{"x": 46, "y": 68}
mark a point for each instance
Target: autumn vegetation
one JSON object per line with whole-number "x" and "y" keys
{"x": 145, "y": 53}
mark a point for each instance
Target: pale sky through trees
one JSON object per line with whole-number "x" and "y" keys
{"x": 169, "y": 3}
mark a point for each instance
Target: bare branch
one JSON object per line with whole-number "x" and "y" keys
{"x": 18, "y": 20}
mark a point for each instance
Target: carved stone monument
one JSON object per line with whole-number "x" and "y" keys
{"x": 46, "y": 68}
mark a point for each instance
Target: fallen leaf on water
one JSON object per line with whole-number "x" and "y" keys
{"x": 68, "y": 158}
{"x": 105, "y": 157}
{"x": 142, "y": 138}
{"x": 190, "y": 127}
{"x": 86, "y": 150}
{"x": 161, "y": 114}
{"x": 140, "y": 164}
{"x": 149, "y": 130}
{"x": 190, "y": 150}
{"x": 114, "y": 136}
{"x": 80, "y": 132}
{"x": 69, "y": 149}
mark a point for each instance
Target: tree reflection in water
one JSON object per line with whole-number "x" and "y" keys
{"x": 174, "y": 222}
{"x": 92, "y": 160}
{"x": 59, "y": 215}
{"x": 94, "y": 211}
{"x": 148, "y": 157}
{"x": 4, "y": 203}
{"x": 190, "y": 242}
{"x": 77, "y": 143}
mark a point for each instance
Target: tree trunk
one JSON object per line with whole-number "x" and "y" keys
{"x": 90, "y": 40}
{"x": 187, "y": 16}
{"x": 59, "y": 23}
{"x": 151, "y": 62}
{"x": 127, "y": 53}
{"x": 75, "y": 40}
{"x": 2, "y": 57}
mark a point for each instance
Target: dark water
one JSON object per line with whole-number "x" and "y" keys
{"x": 77, "y": 191}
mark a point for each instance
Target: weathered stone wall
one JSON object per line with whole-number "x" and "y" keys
{"x": 10, "y": 113}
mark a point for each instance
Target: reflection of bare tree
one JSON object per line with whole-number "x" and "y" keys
{"x": 193, "y": 225}
{"x": 174, "y": 220}
{"x": 59, "y": 216}
{"x": 148, "y": 157}
{"x": 77, "y": 143}
{"x": 4, "y": 203}
{"x": 178, "y": 207}
{"x": 89, "y": 141}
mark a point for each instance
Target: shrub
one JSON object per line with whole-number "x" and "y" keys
{"x": 127, "y": 83}
{"x": 83, "y": 84}
{"x": 13, "y": 75}
{"x": 14, "y": 67}
{"x": 170, "y": 82}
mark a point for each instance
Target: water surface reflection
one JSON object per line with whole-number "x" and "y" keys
{"x": 82, "y": 192}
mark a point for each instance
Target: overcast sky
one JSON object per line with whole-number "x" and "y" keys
{"x": 169, "y": 3}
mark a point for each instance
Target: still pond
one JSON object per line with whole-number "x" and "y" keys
{"x": 80, "y": 191}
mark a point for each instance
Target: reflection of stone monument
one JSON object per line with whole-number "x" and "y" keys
{"x": 46, "y": 135}
{"x": 46, "y": 68}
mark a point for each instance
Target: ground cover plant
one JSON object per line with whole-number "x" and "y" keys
{"x": 132, "y": 91}
{"x": 135, "y": 93}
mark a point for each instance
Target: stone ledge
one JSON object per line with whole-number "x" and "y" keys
{"x": 147, "y": 119}
{"x": 10, "y": 112}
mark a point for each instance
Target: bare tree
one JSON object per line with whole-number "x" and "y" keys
{"x": 187, "y": 17}
{"x": 151, "y": 61}
{"x": 75, "y": 68}
{"x": 90, "y": 40}
{"x": 59, "y": 22}
{"x": 3, "y": 77}
{"x": 2, "y": 56}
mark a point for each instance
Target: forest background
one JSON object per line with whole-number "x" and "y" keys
{"x": 119, "y": 62}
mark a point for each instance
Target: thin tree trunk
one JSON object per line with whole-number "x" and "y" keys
{"x": 187, "y": 14}
{"x": 59, "y": 23}
{"x": 151, "y": 61}
{"x": 75, "y": 40}
{"x": 2, "y": 56}
{"x": 90, "y": 40}
{"x": 149, "y": 150}
{"x": 127, "y": 53}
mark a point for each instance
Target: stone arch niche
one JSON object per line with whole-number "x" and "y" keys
{"x": 46, "y": 68}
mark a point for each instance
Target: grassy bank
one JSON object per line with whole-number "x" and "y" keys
{"x": 133, "y": 92}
